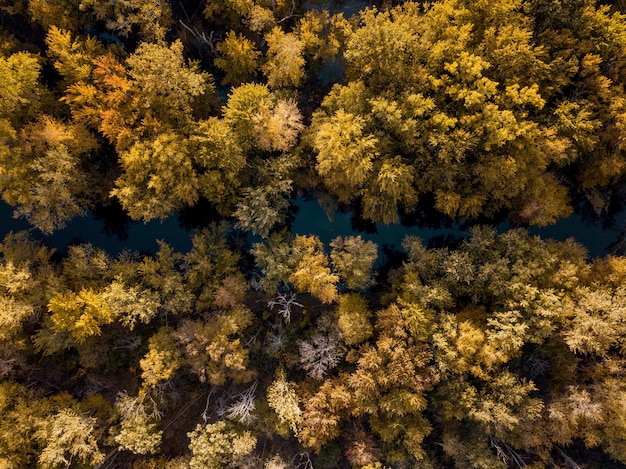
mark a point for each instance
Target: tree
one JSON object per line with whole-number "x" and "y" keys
{"x": 65, "y": 14}
{"x": 20, "y": 409}
{"x": 44, "y": 177}
{"x": 158, "y": 179}
{"x": 238, "y": 60}
{"x": 312, "y": 274}
{"x": 220, "y": 162}
{"x": 322, "y": 413}
{"x": 73, "y": 56}
{"x": 131, "y": 305}
{"x": 138, "y": 431}
{"x": 162, "y": 274}
{"x": 353, "y": 259}
{"x": 344, "y": 153}
{"x": 353, "y": 318}
{"x": 211, "y": 268}
{"x": 213, "y": 350}
{"x": 260, "y": 120}
{"x": 152, "y": 94}
{"x": 67, "y": 438}
{"x": 276, "y": 260}
{"x": 278, "y": 128}
{"x": 285, "y": 64}
{"x": 262, "y": 208}
{"x": 19, "y": 81}
{"x": 319, "y": 355}
{"x": 391, "y": 378}
{"x": 74, "y": 317}
{"x": 217, "y": 444}
{"x": 162, "y": 360}
{"x": 153, "y": 17}
{"x": 282, "y": 398}
{"x": 431, "y": 87}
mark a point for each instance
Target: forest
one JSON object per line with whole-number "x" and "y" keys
{"x": 259, "y": 348}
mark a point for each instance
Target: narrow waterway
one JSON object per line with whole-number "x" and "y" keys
{"x": 310, "y": 218}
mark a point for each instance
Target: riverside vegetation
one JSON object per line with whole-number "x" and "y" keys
{"x": 499, "y": 350}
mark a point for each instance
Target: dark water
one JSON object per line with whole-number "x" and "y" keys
{"x": 134, "y": 236}
{"x": 598, "y": 239}
{"x": 310, "y": 218}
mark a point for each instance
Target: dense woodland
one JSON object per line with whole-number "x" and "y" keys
{"x": 262, "y": 349}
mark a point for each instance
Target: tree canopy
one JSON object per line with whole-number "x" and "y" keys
{"x": 265, "y": 347}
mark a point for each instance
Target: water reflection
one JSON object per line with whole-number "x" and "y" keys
{"x": 110, "y": 229}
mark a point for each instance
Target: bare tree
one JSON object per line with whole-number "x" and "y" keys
{"x": 241, "y": 410}
{"x": 319, "y": 355}
{"x": 283, "y": 303}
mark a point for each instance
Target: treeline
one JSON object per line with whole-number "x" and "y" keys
{"x": 507, "y": 351}
{"x": 478, "y": 110}
{"x": 501, "y": 351}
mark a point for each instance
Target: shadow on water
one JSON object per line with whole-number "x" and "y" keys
{"x": 111, "y": 229}
{"x": 106, "y": 228}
